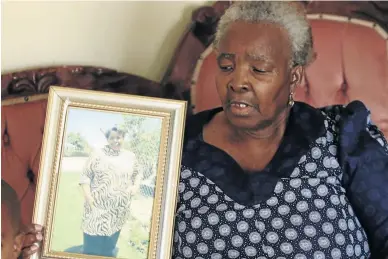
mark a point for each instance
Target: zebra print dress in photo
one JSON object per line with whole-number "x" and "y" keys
{"x": 109, "y": 174}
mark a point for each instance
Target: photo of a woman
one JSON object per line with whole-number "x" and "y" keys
{"x": 107, "y": 182}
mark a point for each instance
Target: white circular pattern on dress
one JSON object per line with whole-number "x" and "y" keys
{"x": 305, "y": 245}
{"x": 272, "y": 237}
{"x": 242, "y": 226}
{"x": 324, "y": 242}
{"x": 194, "y": 182}
{"x": 296, "y": 220}
{"x": 339, "y": 239}
{"x": 181, "y": 187}
{"x": 219, "y": 244}
{"x": 336, "y": 253}
{"x": 191, "y": 237}
{"x": 333, "y": 150}
{"x": 349, "y": 250}
{"x": 233, "y": 253}
{"x": 351, "y": 225}
{"x": 260, "y": 226}
{"x": 322, "y": 174}
{"x": 314, "y": 216}
{"x": 222, "y": 207}
{"x": 202, "y": 248}
{"x": 357, "y": 250}
{"x": 248, "y": 213}
{"x": 295, "y": 172}
{"x": 300, "y": 256}
{"x": 311, "y": 167}
{"x": 212, "y": 199}
{"x": 314, "y": 181}
{"x": 224, "y": 230}
{"x": 254, "y": 237}
{"x": 216, "y": 256}
{"x": 342, "y": 224}
{"x": 278, "y": 188}
{"x": 213, "y": 219}
{"x": 310, "y": 231}
{"x": 187, "y": 252}
{"x": 188, "y": 195}
{"x": 204, "y": 190}
{"x": 250, "y": 251}
{"x": 230, "y": 216}
{"x": 286, "y": 248}
{"x": 203, "y": 210}
{"x": 319, "y": 255}
{"x": 295, "y": 183}
{"x": 291, "y": 233}
{"x": 196, "y": 222}
{"x": 302, "y": 159}
{"x": 327, "y": 228}
{"x": 195, "y": 202}
{"x": 182, "y": 226}
{"x": 326, "y": 162}
{"x": 302, "y": 206}
{"x": 322, "y": 190}
{"x": 269, "y": 251}
{"x": 331, "y": 213}
{"x": 273, "y": 201}
{"x": 207, "y": 233}
{"x": 185, "y": 174}
{"x": 283, "y": 210}
{"x": 289, "y": 197}
{"x": 329, "y": 136}
{"x": 237, "y": 241}
{"x": 306, "y": 193}
{"x": 277, "y": 223}
{"x": 265, "y": 213}
{"x": 316, "y": 152}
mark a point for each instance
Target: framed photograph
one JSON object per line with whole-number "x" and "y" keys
{"x": 109, "y": 171}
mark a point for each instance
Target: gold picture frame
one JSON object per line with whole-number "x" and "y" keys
{"x": 61, "y": 205}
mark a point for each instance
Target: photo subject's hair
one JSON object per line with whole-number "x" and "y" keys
{"x": 114, "y": 129}
{"x": 287, "y": 15}
{"x": 10, "y": 199}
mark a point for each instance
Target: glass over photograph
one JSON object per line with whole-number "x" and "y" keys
{"x": 106, "y": 184}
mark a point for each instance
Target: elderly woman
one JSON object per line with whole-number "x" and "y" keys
{"x": 266, "y": 177}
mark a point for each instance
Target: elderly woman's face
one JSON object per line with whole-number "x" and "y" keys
{"x": 115, "y": 140}
{"x": 254, "y": 76}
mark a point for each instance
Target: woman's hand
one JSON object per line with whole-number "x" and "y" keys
{"x": 33, "y": 234}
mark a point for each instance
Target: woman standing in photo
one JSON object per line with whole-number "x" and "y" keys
{"x": 107, "y": 182}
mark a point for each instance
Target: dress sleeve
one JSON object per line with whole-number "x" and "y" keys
{"x": 87, "y": 172}
{"x": 364, "y": 152}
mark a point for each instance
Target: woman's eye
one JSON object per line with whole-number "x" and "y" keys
{"x": 257, "y": 70}
{"x": 226, "y": 68}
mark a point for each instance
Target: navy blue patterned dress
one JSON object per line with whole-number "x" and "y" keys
{"x": 323, "y": 195}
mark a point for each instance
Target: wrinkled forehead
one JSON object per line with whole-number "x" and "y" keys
{"x": 256, "y": 40}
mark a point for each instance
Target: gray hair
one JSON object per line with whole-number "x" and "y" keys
{"x": 287, "y": 15}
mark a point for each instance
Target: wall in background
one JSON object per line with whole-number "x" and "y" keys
{"x": 137, "y": 37}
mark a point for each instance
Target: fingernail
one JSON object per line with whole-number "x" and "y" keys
{"x": 39, "y": 237}
{"x": 34, "y": 247}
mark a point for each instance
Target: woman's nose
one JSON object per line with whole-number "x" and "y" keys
{"x": 239, "y": 82}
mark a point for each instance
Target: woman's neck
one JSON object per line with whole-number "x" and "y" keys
{"x": 271, "y": 134}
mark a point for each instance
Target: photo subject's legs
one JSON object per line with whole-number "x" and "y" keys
{"x": 110, "y": 244}
{"x": 93, "y": 245}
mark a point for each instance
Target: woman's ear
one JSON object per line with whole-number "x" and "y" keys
{"x": 297, "y": 73}
{"x": 18, "y": 244}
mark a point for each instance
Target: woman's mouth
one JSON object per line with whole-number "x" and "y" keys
{"x": 240, "y": 108}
